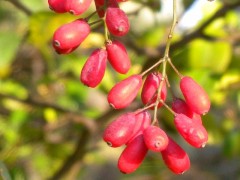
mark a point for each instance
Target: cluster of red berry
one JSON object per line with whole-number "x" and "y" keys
{"x": 136, "y": 129}
{"x": 69, "y": 36}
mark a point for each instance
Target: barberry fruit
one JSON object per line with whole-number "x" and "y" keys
{"x": 143, "y": 120}
{"x": 118, "y": 57}
{"x": 124, "y": 92}
{"x": 155, "y": 138}
{"x": 94, "y": 69}
{"x": 193, "y": 132}
{"x": 120, "y": 130}
{"x": 100, "y": 6}
{"x": 57, "y": 6}
{"x": 150, "y": 87}
{"x": 71, "y": 34}
{"x": 77, "y": 7}
{"x": 180, "y": 106}
{"x": 117, "y": 21}
{"x": 175, "y": 157}
{"x": 195, "y": 96}
{"x": 133, "y": 155}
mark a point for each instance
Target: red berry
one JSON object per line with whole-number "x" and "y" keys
{"x": 120, "y": 130}
{"x": 117, "y": 21}
{"x": 175, "y": 158}
{"x": 124, "y": 92}
{"x": 57, "y": 5}
{"x": 180, "y": 106}
{"x": 94, "y": 68}
{"x": 193, "y": 132}
{"x": 118, "y": 57}
{"x": 100, "y": 6}
{"x": 133, "y": 155}
{"x": 143, "y": 120}
{"x": 195, "y": 96}
{"x": 77, "y": 7}
{"x": 155, "y": 138}
{"x": 65, "y": 51}
{"x": 71, "y": 35}
{"x": 150, "y": 87}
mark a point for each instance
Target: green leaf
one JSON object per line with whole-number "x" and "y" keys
{"x": 213, "y": 56}
{"x": 9, "y": 45}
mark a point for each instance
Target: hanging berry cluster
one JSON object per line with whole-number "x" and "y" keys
{"x": 137, "y": 130}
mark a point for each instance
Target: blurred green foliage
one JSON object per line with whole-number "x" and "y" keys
{"x": 44, "y": 109}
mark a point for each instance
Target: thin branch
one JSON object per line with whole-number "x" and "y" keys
{"x": 75, "y": 158}
{"x": 20, "y": 6}
{"x": 198, "y": 33}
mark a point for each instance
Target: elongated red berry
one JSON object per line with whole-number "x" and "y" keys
{"x": 77, "y": 7}
{"x": 100, "y": 6}
{"x": 155, "y": 138}
{"x": 118, "y": 57}
{"x": 124, "y": 92}
{"x": 57, "y": 5}
{"x": 150, "y": 87}
{"x": 175, "y": 158}
{"x": 71, "y": 35}
{"x": 193, "y": 132}
{"x": 133, "y": 155}
{"x": 94, "y": 69}
{"x": 195, "y": 96}
{"x": 180, "y": 106}
{"x": 65, "y": 51}
{"x": 143, "y": 120}
{"x": 117, "y": 21}
{"x": 120, "y": 130}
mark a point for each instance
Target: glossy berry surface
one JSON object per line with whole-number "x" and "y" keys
{"x": 155, "y": 138}
{"x": 117, "y": 21}
{"x": 180, "y": 106}
{"x": 175, "y": 158}
{"x": 77, "y": 7}
{"x": 71, "y": 35}
{"x": 143, "y": 120}
{"x": 194, "y": 133}
{"x": 124, "y": 92}
{"x": 120, "y": 130}
{"x": 57, "y": 6}
{"x": 94, "y": 69}
{"x": 195, "y": 96}
{"x": 150, "y": 87}
{"x": 118, "y": 57}
{"x": 133, "y": 155}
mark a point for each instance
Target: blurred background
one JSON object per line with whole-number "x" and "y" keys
{"x": 51, "y": 125}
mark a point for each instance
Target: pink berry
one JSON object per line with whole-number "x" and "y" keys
{"x": 133, "y": 155}
{"x": 193, "y": 132}
{"x": 120, "y": 130}
{"x": 71, "y": 35}
{"x": 150, "y": 88}
{"x": 100, "y": 6}
{"x": 65, "y": 51}
{"x": 57, "y": 5}
{"x": 195, "y": 96}
{"x": 155, "y": 138}
{"x": 143, "y": 120}
{"x": 180, "y": 106}
{"x": 77, "y": 7}
{"x": 124, "y": 92}
{"x": 175, "y": 158}
{"x": 118, "y": 57}
{"x": 94, "y": 69}
{"x": 117, "y": 21}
